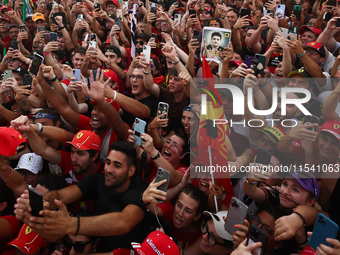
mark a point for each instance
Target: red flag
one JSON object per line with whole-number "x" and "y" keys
{"x": 213, "y": 136}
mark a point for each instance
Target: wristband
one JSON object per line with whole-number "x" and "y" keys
{"x": 114, "y": 98}
{"x": 301, "y": 217}
{"x": 46, "y": 53}
{"x": 263, "y": 85}
{"x": 299, "y": 56}
{"x": 27, "y": 61}
{"x": 61, "y": 28}
{"x": 157, "y": 156}
{"x": 175, "y": 63}
{"x": 78, "y": 226}
{"x": 54, "y": 79}
{"x": 141, "y": 199}
{"x": 7, "y": 175}
{"x": 147, "y": 72}
{"x": 302, "y": 242}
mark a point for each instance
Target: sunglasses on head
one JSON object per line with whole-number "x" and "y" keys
{"x": 79, "y": 246}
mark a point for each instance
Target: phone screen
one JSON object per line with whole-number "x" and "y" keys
{"x": 36, "y": 63}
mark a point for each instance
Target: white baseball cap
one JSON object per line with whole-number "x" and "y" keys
{"x": 31, "y": 162}
{"x": 219, "y": 224}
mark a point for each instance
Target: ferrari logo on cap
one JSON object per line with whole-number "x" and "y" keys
{"x": 300, "y": 70}
{"x": 106, "y": 70}
{"x": 336, "y": 126}
{"x": 313, "y": 43}
{"x": 79, "y": 135}
{"x": 20, "y": 136}
{"x": 28, "y": 230}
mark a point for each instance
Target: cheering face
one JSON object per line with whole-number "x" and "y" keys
{"x": 290, "y": 189}
{"x": 77, "y": 60}
{"x": 111, "y": 8}
{"x": 185, "y": 211}
{"x": 189, "y": 122}
{"x": 329, "y": 146}
{"x": 116, "y": 169}
{"x": 172, "y": 150}
{"x": 80, "y": 160}
{"x": 98, "y": 119}
{"x": 307, "y": 37}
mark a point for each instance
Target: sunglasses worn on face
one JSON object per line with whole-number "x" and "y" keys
{"x": 140, "y": 42}
{"x": 313, "y": 52}
{"x": 79, "y": 246}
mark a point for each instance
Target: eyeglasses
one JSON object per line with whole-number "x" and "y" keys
{"x": 138, "y": 77}
{"x": 26, "y": 173}
{"x": 313, "y": 52}
{"x": 14, "y": 32}
{"x": 140, "y": 42}
{"x": 257, "y": 221}
{"x": 163, "y": 21}
{"x": 79, "y": 246}
{"x": 266, "y": 142}
{"x": 211, "y": 237}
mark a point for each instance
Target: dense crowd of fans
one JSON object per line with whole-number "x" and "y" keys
{"x": 100, "y": 99}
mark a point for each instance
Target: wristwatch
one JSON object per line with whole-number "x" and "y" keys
{"x": 40, "y": 128}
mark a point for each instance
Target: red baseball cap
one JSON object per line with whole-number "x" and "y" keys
{"x": 28, "y": 241}
{"x": 111, "y": 102}
{"x": 108, "y": 41}
{"x": 308, "y": 251}
{"x": 11, "y": 141}
{"x": 122, "y": 251}
{"x": 114, "y": 1}
{"x": 156, "y": 243}
{"x": 312, "y": 29}
{"x": 237, "y": 63}
{"x": 318, "y": 47}
{"x": 85, "y": 140}
{"x": 110, "y": 74}
{"x": 331, "y": 127}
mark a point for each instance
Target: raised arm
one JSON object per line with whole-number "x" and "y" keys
{"x": 97, "y": 94}
{"x": 129, "y": 104}
{"x": 57, "y": 101}
{"x": 330, "y": 105}
{"x": 37, "y": 144}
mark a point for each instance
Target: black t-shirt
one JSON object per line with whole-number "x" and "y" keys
{"x": 150, "y": 101}
{"x": 175, "y": 108}
{"x": 107, "y": 200}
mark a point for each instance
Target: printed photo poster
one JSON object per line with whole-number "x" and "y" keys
{"x": 214, "y": 40}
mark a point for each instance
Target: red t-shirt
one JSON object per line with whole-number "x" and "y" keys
{"x": 84, "y": 124}
{"x": 66, "y": 164}
{"x": 15, "y": 224}
{"x": 185, "y": 237}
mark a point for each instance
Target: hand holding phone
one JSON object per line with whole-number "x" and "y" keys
{"x": 139, "y": 128}
{"x": 236, "y": 215}
{"x": 162, "y": 174}
{"x": 36, "y": 202}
